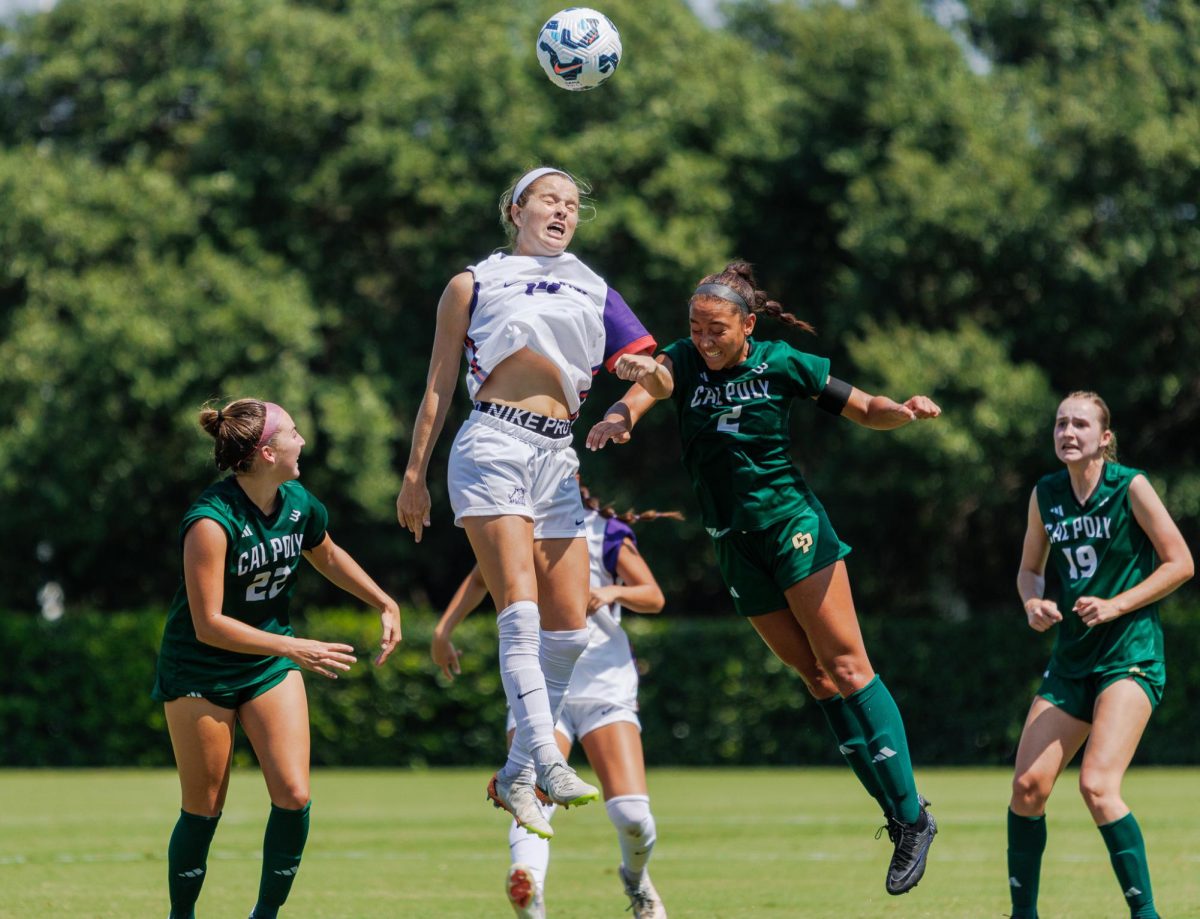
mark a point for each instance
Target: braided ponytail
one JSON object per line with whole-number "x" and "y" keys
{"x": 630, "y": 517}
{"x": 738, "y": 275}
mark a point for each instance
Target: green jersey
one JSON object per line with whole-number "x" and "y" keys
{"x": 733, "y": 425}
{"x": 1097, "y": 549}
{"x": 262, "y": 557}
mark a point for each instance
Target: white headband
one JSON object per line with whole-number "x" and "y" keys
{"x": 532, "y": 176}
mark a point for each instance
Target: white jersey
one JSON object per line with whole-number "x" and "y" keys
{"x": 556, "y": 307}
{"x": 605, "y": 671}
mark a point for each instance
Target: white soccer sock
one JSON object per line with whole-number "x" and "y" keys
{"x": 557, "y": 657}
{"x": 630, "y": 814}
{"x": 524, "y": 685}
{"x": 527, "y": 849}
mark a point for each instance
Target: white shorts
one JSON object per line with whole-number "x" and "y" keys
{"x": 582, "y": 716}
{"x": 498, "y": 468}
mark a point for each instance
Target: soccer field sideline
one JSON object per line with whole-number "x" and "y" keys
{"x": 424, "y": 843}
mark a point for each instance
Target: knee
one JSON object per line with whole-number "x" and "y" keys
{"x": 631, "y": 816}
{"x": 1030, "y": 792}
{"x": 819, "y": 685}
{"x": 849, "y": 673}
{"x": 293, "y": 796}
{"x": 207, "y": 802}
{"x": 203, "y": 808}
{"x": 563, "y": 648}
{"x": 1098, "y": 789}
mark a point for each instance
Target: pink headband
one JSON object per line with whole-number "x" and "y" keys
{"x": 270, "y": 423}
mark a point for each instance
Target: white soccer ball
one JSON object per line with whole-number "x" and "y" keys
{"x": 579, "y": 48}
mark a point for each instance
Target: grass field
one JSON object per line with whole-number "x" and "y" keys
{"x": 769, "y": 843}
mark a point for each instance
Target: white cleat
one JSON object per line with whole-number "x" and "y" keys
{"x": 519, "y": 799}
{"x": 559, "y": 784}
{"x": 643, "y": 898}
{"x": 523, "y": 894}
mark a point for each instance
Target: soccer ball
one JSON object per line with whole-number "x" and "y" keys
{"x": 579, "y": 48}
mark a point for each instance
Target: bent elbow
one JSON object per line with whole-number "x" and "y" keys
{"x": 207, "y": 632}
{"x": 656, "y": 602}
{"x": 1187, "y": 569}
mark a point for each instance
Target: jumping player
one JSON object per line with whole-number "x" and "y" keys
{"x": 536, "y": 325}
{"x": 229, "y": 654}
{"x": 601, "y": 708}
{"x": 777, "y": 551}
{"x": 1115, "y": 552}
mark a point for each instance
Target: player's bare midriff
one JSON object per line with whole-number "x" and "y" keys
{"x": 529, "y": 381}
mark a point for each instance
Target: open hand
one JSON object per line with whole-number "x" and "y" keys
{"x": 323, "y": 657}
{"x": 614, "y": 428}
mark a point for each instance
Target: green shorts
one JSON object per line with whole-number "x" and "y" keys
{"x": 1077, "y": 695}
{"x": 759, "y": 565}
{"x": 221, "y": 694}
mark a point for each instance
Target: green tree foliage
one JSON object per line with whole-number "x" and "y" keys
{"x": 215, "y": 197}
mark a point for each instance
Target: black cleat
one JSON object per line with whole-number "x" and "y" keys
{"x": 912, "y": 842}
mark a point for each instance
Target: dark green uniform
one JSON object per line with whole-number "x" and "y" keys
{"x": 261, "y": 561}
{"x": 768, "y": 528}
{"x": 1097, "y": 549}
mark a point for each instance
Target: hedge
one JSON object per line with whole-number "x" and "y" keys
{"x": 76, "y": 693}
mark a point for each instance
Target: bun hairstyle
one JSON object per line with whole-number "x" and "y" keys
{"x": 738, "y": 278}
{"x": 630, "y": 516}
{"x": 1110, "y": 452}
{"x": 587, "y": 210}
{"x": 237, "y": 429}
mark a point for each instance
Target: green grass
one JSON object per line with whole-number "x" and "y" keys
{"x": 769, "y": 843}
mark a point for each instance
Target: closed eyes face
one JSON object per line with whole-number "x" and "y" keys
{"x": 719, "y": 331}
{"x": 546, "y": 222}
{"x": 1078, "y": 431}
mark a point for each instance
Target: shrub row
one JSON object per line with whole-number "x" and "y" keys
{"x": 76, "y": 693}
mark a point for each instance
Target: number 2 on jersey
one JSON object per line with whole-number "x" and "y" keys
{"x": 729, "y": 421}
{"x": 1085, "y": 556}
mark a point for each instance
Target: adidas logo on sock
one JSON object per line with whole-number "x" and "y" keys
{"x": 1132, "y": 892}
{"x": 883, "y": 754}
{"x": 844, "y": 750}
{"x": 194, "y": 873}
{"x": 1013, "y": 882}
{"x": 288, "y": 872}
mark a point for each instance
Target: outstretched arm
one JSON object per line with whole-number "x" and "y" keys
{"x": 1175, "y": 568}
{"x": 337, "y": 565}
{"x": 469, "y": 595}
{"x": 1040, "y": 613}
{"x": 883, "y": 414}
{"x": 618, "y": 422}
{"x": 412, "y": 504}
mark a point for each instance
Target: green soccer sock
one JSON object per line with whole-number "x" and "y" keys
{"x": 887, "y": 746}
{"x": 283, "y": 844}
{"x": 1127, "y": 852}
{"x": 1026, "y": 843}
{"x": 187, "y": 861}
{"x": 853, "y": 746}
